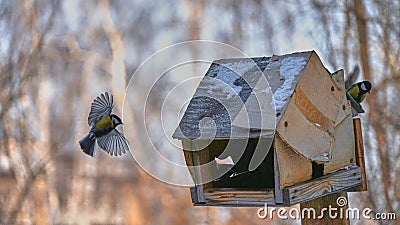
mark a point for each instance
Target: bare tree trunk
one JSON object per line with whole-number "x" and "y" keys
{"x": 196, "y": 8}
{"x": 118, "y": 53}
{"x": 374, "y": 108}
{"x": 237, "y": 23}
{"x": 39, "y": 198}
{"x": 347, "y": 29}
{"x": 133, "y": 207}
{"x": 196, "y": 11}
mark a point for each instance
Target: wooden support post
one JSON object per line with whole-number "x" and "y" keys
{"x": 323, "y": 204}
{"x": 360, "y": 153}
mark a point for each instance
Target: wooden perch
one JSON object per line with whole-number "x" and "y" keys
{"x": 360, "y": 153}
{"x": 355, "y": 106}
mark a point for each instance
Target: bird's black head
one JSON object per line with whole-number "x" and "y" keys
{"x": 366, "y": 86}
{"x": 116, "y": 120}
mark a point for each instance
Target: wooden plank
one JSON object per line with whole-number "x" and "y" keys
{"x": 291, "y": 173}
{"x": 204, "y": 170}
{"x": 311, "y": 112}
{"x": 356, "y": 108}
{"x": 344, "y": 108}
{"x": 237, "y": 197}
{"x": 338, "y": 78}
{"x": 197, "y": 173}
{"x": 196, "y": 160}
{"x": 236, "y": 204}
{"x": 343, "y": 112}
{"x": 187, "y": 146}
{"x": 198, "y": 153}
{"x": 318, "y": 86}
{"x": 324, "y": 203}
{"x": 342, "y": 153}
{"x": 359, "y": 146}
{"x": 197, "y": 194}
{"x": 278, "y": 190}
{"x": 339, "y": 181}
{"x": 305, "y": 137}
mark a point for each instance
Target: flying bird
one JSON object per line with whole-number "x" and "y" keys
{"x": 103, "y": 126}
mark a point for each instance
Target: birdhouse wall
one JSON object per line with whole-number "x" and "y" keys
{"x": 308, "y": 121}
{"x": 189, "y": 159}
{"x": 343, "y": 153}
{"x": 316, "y": 125}
{"x": 200, "y": 152}
{"x": 293, "y": 167}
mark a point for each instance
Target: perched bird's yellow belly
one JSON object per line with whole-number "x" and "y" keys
{"x": 354, "y": 92}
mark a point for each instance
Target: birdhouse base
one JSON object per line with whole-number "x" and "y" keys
{"x": 340, "y": 181}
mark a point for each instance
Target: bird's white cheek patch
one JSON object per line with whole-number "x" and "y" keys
{"x": 363, "y": 87}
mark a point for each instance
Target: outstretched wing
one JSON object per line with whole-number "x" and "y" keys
{"x": 101, "y": 106}
{"x": 114, "y": 143}
{"x": 352, "y": 78}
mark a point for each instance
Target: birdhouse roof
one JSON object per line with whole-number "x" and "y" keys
{"x": 234, "y": 100}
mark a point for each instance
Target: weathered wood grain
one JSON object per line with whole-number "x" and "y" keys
{"x": 187, "y": 146}
{"x": 293, "y": 167}
{"x": 339, "y": 181}
{"x": 342, "y": 153}
{"x": 317, "y": 85}
{"x": 305, "y": 138}
{"x": 277, "y": 186}
{"x": 360, "y": 160}
{"x": 338, "y": 78}
{"x": 227, "y": 197}
{"x": 356, "y": 107}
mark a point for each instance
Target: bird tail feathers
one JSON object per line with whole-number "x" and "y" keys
{"x": 87, "y": 144}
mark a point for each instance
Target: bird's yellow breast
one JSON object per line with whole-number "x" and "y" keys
{"x": 354, "y": 91}
{"x": 104, "y": 123}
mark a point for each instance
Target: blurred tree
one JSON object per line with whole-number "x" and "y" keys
{"x": 24, "y": 134}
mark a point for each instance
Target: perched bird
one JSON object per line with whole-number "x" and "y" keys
{"x": 359, "y": 90}
{"x": 103, "y": 125}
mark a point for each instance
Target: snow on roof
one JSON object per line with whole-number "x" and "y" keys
{"x": 290, "y": 70}
{"x": 227, "y": 86}
{"x": 226, "y": 77}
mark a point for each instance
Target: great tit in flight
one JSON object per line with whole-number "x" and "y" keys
{"x": 103, "y": 125}
{"x": 359, "y": 90}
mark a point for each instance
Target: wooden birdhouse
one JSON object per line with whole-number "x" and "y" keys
{"x": 241, "y": 151}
